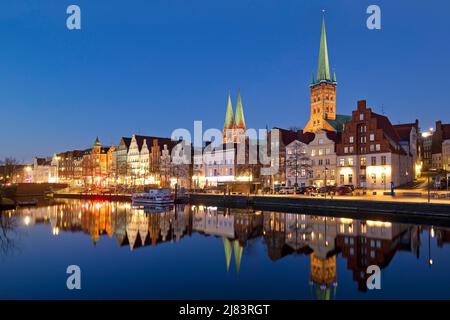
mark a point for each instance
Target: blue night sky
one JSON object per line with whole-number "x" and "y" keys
{"x": 150, "y": 66}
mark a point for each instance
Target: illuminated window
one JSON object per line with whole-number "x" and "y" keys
{"x": 361, "y": 116}
{"x": 363, "y": 228}
{"x": 351, "y": 139}
{"x": 372, "y": 137}
{"x": 350, "y": 161}
{"x": 363, "y": 161}
{"x": 342, "y": 162}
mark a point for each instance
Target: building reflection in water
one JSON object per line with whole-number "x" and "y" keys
{"x": 360, "y": 242}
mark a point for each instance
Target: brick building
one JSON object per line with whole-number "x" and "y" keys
{"x": 370, "y": 154}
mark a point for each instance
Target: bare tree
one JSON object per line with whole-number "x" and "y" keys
{"x": 10, "y": 168}
{"x": 8, "y": 227}
{"x": 298, "y": 164}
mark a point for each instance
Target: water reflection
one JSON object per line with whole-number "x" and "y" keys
{"x": 321, "y": 239}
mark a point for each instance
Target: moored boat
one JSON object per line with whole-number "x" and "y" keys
{"x": 153, "y": 196}
{"x": 27, "y": 203}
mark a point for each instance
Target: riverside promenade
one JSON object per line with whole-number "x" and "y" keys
{"x": 395, "y": 208}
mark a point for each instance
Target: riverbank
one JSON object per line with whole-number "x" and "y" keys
{"x": 88, "y": 196}
{"x": 102, "y": 197}
{"x": 394, "y": 210}
{"x": 7, "y": 204}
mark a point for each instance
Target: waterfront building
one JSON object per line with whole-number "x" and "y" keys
{"x": 426, "y": 143}
{"x": 370, "y": 154}
{"x": 287, "y": 163}
{"x": 143, "y": 159}
{"x": 441, "y": 147}
{"x": 42, "y": 169}
{"x": 95, "y": 165}
{"x": 408, "y": 134}
{"x": 150, "y": 162}
{"x": 112, "y": 166}
{"x": 122, "y": 161}
{"x": 220, "y": 165}
{"x": 69, "y": 166}
{"x": 322, "y": 152}
{"x": 323, "y": 85}
{"x": 298, "y": 163}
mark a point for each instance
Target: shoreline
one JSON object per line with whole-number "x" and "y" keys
{"x": 410, "y": 212}
{"x": 395, "y": 211}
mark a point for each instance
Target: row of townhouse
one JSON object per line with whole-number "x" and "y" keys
{"x": 369, "y": 152}
{"x": 139, "y": 160}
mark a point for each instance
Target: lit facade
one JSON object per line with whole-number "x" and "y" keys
{"x": 322, "y": 153}
{"x": 369, "y": 154}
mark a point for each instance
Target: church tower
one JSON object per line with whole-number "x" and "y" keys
{"x": 234, "y": 130}
{"x": 229, "y": 123}
{"x": 322, "y": 92}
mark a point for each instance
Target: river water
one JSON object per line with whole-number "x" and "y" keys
{"x": 204, "y": 252}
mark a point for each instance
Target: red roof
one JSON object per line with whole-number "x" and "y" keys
{"x": 161, "y": 142}
{"x": 287, "y": 136}
{"x": 404, "y": 130}
{"x": 388, "y": 129}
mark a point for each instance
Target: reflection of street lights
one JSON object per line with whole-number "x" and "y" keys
{"x": 430, "y": 234}
{"x": 325, "y": 184}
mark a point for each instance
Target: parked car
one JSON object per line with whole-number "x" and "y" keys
{"x": 327, "y": 190}
{"x": 311, "y": 190}
{"x": 441, "y": 184}
{"x": 286, "y": 190}
{"x": 301, "y": 190}
{"x": 352, "y": 187}
{"x": 343, "y": 190}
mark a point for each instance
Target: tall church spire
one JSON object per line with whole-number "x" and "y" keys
{"x": 323, "y": 70}
{"x": 239, "y": 120}
{"x": 229, "y": 115}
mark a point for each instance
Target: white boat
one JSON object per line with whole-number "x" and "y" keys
{"x": 153, "y": 196}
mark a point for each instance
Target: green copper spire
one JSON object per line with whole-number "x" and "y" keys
{"x": 97, "y": 142}
{"x": 229, "y": 115}
{"x": 323, "y": 70}
{"x": 237, "y": 255}
{"x": 334, "y": 76}
{"x": 228, "y": 251}
{"x": 239, "y": 120}
{"x": 313, "y": 80}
